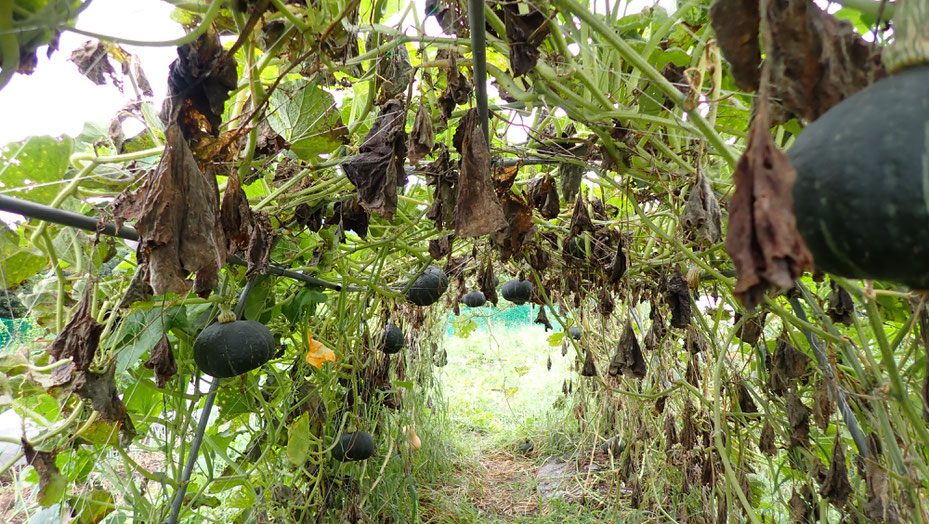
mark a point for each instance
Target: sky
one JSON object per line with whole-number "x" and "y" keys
{"x": 56, "y": 99}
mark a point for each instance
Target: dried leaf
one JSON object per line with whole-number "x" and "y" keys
{"x": 766, "y": 441}
{"x": 100, "y": 390}
{"x": 735, "y": 23}
{"x": 570, "y": 176}
{"x": 199, "y": 82}
{"x": 504, "y": 177}
{"x": 618, "y": 267}
{"x": 628, "y": 356}
{"x": 815, "y": 60}
{"x": 678, "y": 297}
{"x": 590, "y": 369}
{"x": 542, "y": 318}
{"x": 440, "y": 174}
{"x": 394, "y": 73}
{"x": 823, "y": 407}
{"x": 519, "y": 226}
{"x": 762, "y": 236}
{"x": 488, "y": 283}
{"x": 377, "y": 169}
{"x": 798, "y": 415}
{"x": 441, "y": 247}
{"x": 880, "y": 506}
{"x": 80, "y": 337}
{"x": 524, "y": 32}
{"x": 422, "y": 137}
{"x": 478, "y": 212}
{"x": 580, "y": 218}
{"x": 752, "y": 328}
{"x": 52, "y": 484}
{"x": 544, "y": 196}
{"x": 352, "y": 217}
{"x": 162, "y": 361}
{"x": 450, "y": 16}
{"x": 177, "y": 217}
{"x": 235, "y": 215}
{"x": 801, "y": 506}
{"x": 746, "y": 404}
{"x": 836, "y": 489}
{"x": 92, "y": 61}
{"x": 788, "y": 364}
{"x": 702, "y": 217}
{"x": 841, "y": 306}
{"x": 457, "y": 86}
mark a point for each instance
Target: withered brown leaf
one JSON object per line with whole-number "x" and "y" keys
{"x": 441, "y": 247}
{"x": 488, "y": 283}
{"x": 80, "y": 337}
{"x": 422, "y": 137}
{"x": 766, "y": 440}
{"x": 524, "y": 32}
{"x": 628, "y": 356}
{"x": 394, "y": 73}
{"x": 100, "y": 390}
{"x": 678, "y": 297}
{"x": 702, "y": 217}
{"x": 45, "y": 467}
{"x": 92, "y": 61}
{"x": 762, "y": 238}
{"x": 377, "y": 169}
{"x": 590, "y": 369}
{"x": 735, "y": 23}
{"x": 162, "y": 361}
{"x": 798, "y": 415}
{"x": 788, "y": 364}
{"x": 542, "y": 318}
{"x": 519, "y": 226}
{"x": 841, "y": 306}
{"x": 477, "y": 212}
{"x": 836, "y": 489}
{"x": 177, "y": 217}
{"x": 457, "y": 86}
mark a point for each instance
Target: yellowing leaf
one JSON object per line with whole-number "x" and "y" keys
{"x": 318, "y": 353}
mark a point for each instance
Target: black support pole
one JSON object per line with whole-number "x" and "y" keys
{"x": 479, "y": 62}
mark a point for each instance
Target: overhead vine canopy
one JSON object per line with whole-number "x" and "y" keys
{"x": 322, "y": 155}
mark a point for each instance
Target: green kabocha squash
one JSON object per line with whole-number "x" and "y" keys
{"x": 517, "y": 291}
{"x": 428, "y": 287}
{"x": 575, "y": 332}
{"x": 861, "y": 195}
{"x": 390, "y": 339}
{"x": 353, "y": 446}
{"x": 474, "y": 299}
{"x": 228, "y": 349}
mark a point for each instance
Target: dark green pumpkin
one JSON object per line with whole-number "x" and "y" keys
{"x": 517, "y": 291}
{"x": 428, "y": 287}
{"x": 575, "y": 332}
{"x": 474, "y": 299}
{"x": 353, "y": 446}
{"x": 390, "y": 339}
{"x": 862, "y": 191}
{"x": 228, "y": 349}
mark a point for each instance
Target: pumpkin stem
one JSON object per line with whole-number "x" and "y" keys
{"x": 911, "y": 36}
{"x": 226, "y": 315}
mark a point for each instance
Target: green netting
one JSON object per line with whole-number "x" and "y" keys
{"x": 12, "y": 330}
{"x": 507, "y": 317}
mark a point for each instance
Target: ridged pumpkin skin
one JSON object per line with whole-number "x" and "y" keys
{"x": 517, "y": 291}
{"x": 474, "y": 299}
{"x": 862, "y": 191}
{"x": 230, "y": 349}
{"x": 390, "y": 339}
{"x": 353, "y": 446}
{"x": 428, "y": 287}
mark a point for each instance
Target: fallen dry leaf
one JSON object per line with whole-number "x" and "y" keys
{"x": 177, "y": 217}
{"x": 162, "y": 362}
{"x": 377, "y": 169}
{"x": 524, "y": 32}
{"x": 762, "y": 237}
{"x": 477, "y": 212}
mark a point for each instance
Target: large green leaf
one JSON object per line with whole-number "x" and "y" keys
{"x": 144, "y": 329}
{"x": 34, "y": 168}
{"x": 307, "y": 117}
{"x": 16, "y": 262}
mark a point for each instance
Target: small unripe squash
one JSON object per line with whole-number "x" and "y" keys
{"x": 517, "y": 291}
{"x": 575, "y": 332}
{"x": 428, "y": 287}
{"x": 390, "y": 340}
{"x": 229, "y": 349}
{"x": 474, "y": 299}
{"x": 353, "y": 446}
